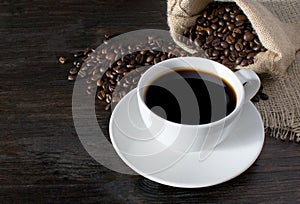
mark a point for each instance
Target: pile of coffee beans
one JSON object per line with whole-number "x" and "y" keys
{"x": 137, "y": 62}
{"x": 260, "y": 95}
{"x": 226, "y": 35}
{"x": 105, "y": 68}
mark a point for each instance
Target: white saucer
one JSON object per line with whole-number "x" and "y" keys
{"x": 151, "y": 159}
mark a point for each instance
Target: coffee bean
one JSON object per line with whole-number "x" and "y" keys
{"x": 264, "y": 96}
{"x": 244, "y": 63}
{"x": 224, "y": 44}
{"x": 232, "y": 16}
{"x": 256, "y": 48}
{"x": 230, "y": 39}
{"x": 101, "y": 95}
{"x": 226, "y": 17}
{"x": 239, "y": 23}
{"x": 71, "y": 77}
{"x": 251, "y": 44}
{"x": 163, "y": 57}
{"x": 239, "y": 47}
{"x": 236, "y": 30}
{"x": 251, "y": 55}
{"x": 230, "y": 27}
{"x": 149, "y": 58}
{"x": 210, "y": 17}
{"x": 215, "y": 53}
{"x": 209, "y": 52}
{"x": 215, "y": 42}
{"x": 140, "y": 58}
{"x": 111, "y": 86}
{"x": 107, "y": 107}
{"x": 243, "y": 54}
{"x": 204, "y": 14}
{"x": 73, "y": 70}
{"x": 75, "y": 63}
{"x": 238, "y": 60}
{"x": 233, "y": 54}
{"x": 200, "y": 20}
{"x": 130, "y": 66}
{"x": 199, "y": 42}
{"x": 240, "y": 18}
{"x": 214, "y": 26}
{"x": 255, "y": 99}
{"x": 226, "y": 52}
{"x": 109, "y": 74}
{"x": 221, "y": 23}
{"x": 256, "y": 41}
{"x": 156, "y": 60}
{"x": 99, "y": 83}
{"x": 209, "y": 31}
{"x": 108, "y": 98}
{"x": 209, "y": 39}
{"x": 250, "y": 61}
{"x": 248, "y": 36}
{"x": 221, "y": 10}
{"x": 231, "y": 47}
{"x": 224, "y": 31}
{"x": 62, "y": 59}
{"x": 231, "y": 58}
{"x": 122, "y": 70}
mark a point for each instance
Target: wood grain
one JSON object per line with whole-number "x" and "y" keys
{"x": 41, "y": 157}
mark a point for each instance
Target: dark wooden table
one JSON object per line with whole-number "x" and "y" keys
{"x": 41, "y": 157}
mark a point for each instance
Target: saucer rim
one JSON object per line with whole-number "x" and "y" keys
{"x": 183, "y": 184}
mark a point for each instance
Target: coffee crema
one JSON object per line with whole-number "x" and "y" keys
{"x": 189, "y": 96}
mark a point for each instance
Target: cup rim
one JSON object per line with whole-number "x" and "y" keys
{"x": 222, "y": 120}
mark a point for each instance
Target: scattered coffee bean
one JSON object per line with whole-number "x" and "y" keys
{"x": 255, "y": 99}
{"x": 71, "y": 77}
{"x": 73, "y": 70}
{"x": 62, "y": 59}
{"x": 101, "y": 95}
{"x": 263, "y": 96}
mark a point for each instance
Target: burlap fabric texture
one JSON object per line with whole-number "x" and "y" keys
{"x": 277, "y": 23}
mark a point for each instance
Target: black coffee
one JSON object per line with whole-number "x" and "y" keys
{"x": 187, "y": 96}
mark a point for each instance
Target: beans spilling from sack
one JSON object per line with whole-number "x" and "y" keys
{"x": 222, "y": 31}
{"x": 226, "y": 35}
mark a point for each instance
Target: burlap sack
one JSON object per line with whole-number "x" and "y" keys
{"x": 277, "y": 24}
{"x": 281, "y": 39}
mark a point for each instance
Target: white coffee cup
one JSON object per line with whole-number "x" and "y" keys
{"x": 196, "y": 138}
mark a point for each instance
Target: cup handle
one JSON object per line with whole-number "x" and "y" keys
{"x": 250, "y": 81}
